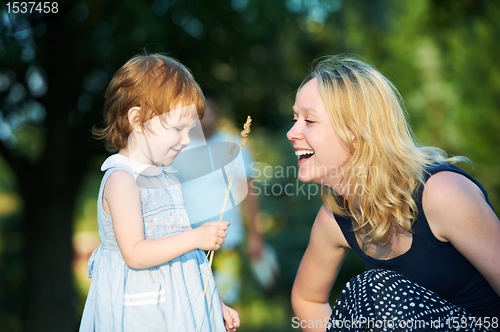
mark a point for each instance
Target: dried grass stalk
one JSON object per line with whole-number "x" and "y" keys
{"x": 244, "y": 141}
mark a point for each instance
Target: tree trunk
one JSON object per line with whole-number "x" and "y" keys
{"x": 48, "y": 228}
{"x": 49, "y": 188}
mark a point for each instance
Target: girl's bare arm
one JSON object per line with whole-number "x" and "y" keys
{"x": 121, "y": 199}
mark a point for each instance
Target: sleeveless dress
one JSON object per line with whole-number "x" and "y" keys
{"x": 169, "y": 297}
{"x": 431, "y": 287}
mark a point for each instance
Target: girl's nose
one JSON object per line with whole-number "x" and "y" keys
{"x": 185, "y": 140}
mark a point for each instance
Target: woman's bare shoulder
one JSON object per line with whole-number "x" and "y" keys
{"x": 325, "y": 227}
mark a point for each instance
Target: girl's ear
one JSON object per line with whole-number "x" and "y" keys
{"x": 133, "y": 119}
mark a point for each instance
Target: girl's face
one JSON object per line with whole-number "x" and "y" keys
{"x": 165, "y": 136}
{"x": 320, "y": 152}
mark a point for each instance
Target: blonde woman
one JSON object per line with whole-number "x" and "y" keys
{"x": 424, "y": 228}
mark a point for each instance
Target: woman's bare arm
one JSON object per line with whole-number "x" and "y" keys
{"x": 317, "y": 272}
{"x": 457, "y": 212}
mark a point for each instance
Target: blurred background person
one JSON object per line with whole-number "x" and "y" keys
{"x": 204, "y": 194}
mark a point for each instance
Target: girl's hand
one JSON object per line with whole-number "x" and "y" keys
{"x": 211, "y": 235}
{"x": 231, "y": 318}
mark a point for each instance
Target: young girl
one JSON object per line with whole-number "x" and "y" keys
{"x": 423, "y": 227}
{"x": 150, "y": 272}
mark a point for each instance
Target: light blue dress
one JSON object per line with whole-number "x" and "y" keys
{"x": 168, "y": 297}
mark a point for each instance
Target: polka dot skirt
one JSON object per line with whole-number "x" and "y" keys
{"x": 381, "y": 300}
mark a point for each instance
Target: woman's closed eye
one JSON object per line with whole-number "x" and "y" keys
{"x": 307, "y": 121}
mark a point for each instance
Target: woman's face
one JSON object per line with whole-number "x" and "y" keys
{"x": 319, "y": 150}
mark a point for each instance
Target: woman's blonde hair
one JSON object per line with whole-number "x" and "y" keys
{"x": 386, "y": 164}
{"x": 155, "y": 83}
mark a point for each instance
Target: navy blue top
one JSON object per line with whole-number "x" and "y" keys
{"x": 434, "y": 264}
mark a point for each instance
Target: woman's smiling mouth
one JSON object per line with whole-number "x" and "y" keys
{"x": 304, "y": 153}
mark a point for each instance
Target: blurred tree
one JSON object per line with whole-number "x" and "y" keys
{"x": 46, "y": 142}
